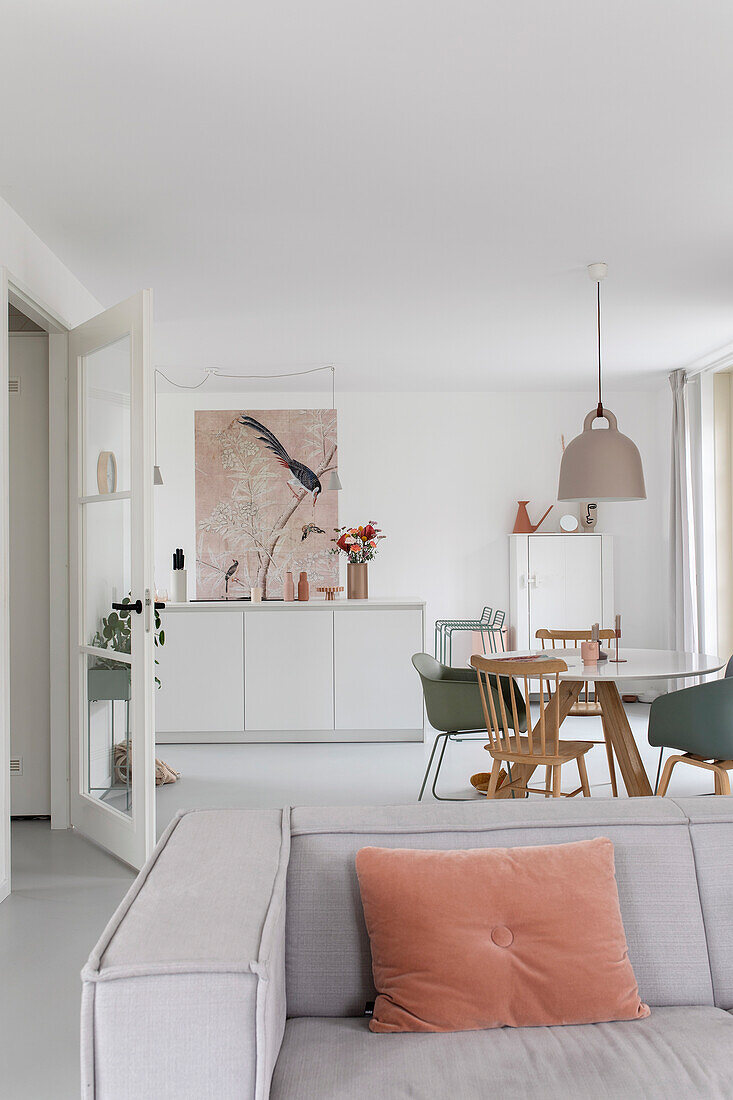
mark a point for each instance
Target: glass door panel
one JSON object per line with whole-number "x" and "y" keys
{"x": 107, "y": 773}
{"x": 107, "y": 574}
{"x": 106, "y": 416}
{"x": 111, "y": 580}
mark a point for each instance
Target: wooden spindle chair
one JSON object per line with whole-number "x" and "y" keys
{"x": 541, "y": 745}
{"x": 585, "y": 706}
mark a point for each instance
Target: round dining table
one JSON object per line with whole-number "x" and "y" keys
{"x": 635, "y": 664}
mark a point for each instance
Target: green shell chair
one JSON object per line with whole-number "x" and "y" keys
{"x": 453, "y": 706}
{"x": 698, "y": 722}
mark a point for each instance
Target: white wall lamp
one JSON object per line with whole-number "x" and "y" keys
{"x": 601, "y": 464}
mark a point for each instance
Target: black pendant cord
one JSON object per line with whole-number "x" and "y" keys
{"x": 599, "y": 410}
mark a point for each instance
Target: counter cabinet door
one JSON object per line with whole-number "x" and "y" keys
{"x": 200, "y": 670}
{"x": 377, "y": 687}
{"x": 288, "y": 677}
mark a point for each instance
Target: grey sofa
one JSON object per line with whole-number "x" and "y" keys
{"x": 238, "y": 964}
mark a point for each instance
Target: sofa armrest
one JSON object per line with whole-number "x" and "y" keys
{"x": 184, "y": 995}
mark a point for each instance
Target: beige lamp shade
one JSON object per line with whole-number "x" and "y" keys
{"x": 601, "y": 464}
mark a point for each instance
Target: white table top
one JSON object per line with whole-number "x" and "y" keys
{"x": 641, "y": 664}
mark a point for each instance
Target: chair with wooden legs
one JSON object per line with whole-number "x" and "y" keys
{"x": 585, "y": 705}
{"x": 541, "y": 746}
{"x": 698, "y": 721}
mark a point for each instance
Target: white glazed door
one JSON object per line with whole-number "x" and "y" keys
{"x": 110, "y": 563}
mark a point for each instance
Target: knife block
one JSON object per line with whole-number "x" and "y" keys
{"x": 179, "y": 586}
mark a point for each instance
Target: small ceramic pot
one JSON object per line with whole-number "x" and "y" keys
{"x": 589, "y": 652}
{"x": 255, "y": 595}
{"x": 357, "y": 581}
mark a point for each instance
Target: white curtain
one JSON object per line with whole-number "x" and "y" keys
{"x": 684, "y": 604}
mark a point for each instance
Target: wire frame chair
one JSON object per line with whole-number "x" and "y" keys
{"x": 541, "y": 745}
{"x": 489, "y": 626}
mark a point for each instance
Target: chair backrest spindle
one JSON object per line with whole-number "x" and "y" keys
{"x": 542, "y": 736}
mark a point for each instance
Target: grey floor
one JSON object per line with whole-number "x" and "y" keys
{"x": 64, "y": 892}
{"x": 277, "y": 775}
{"x": 65, "y": 889}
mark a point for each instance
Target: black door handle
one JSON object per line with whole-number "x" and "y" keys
{"x": 159, "y": 606}
{"x": 126, "y": 608}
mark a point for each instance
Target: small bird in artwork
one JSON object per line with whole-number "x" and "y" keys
{"x": 311, "y": 529}
{"x": 301, "y": 476}
{"x": 229, "y": 574}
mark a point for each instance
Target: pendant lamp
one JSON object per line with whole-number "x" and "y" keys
{"x": 601, "y": 464}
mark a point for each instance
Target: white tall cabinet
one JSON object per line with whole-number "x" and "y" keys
{"x": 559, "y": 581}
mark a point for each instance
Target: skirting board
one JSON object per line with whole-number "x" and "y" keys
{"x": 278, "y": 737}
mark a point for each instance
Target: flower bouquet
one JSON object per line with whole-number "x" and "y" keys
{"x": 360, "y": 544}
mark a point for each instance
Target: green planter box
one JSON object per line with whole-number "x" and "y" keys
{"x": 108, "y": 683}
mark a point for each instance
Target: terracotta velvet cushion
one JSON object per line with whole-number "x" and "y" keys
{"x": 494, "y": 937}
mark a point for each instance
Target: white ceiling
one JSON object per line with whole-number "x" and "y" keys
{"x": 410, "y": 189}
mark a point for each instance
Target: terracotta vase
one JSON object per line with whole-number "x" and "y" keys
{"x": 357, "y": 581}
{"x": 288, "y": 588}
{"x": 303, "y": 588}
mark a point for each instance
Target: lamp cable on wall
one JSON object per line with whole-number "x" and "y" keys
{"x": 334, "y": 480}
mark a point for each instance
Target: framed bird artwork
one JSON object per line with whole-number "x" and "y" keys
{"x": 262, "y": 499}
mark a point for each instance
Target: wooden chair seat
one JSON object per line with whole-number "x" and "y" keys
{"x": 589, "y": 708}
{"x": 563, "y": 751}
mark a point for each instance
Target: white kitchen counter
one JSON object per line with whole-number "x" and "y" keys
{"x": 321, "y": 670}
{"x": 280, "y": 605}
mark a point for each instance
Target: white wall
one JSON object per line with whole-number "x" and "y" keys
{"x": 32, "y": 263}
{"x": 442, "y": 473}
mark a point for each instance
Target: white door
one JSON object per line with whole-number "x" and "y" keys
{"x": 110, "y": 563}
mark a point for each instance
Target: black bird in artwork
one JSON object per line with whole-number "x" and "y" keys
{"x": 301, "y": 476}
{"x": 229, "y": 574}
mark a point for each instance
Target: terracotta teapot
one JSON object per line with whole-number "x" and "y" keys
{"x": 523, "y": 524}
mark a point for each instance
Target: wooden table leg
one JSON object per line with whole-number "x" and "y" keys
{"x": 616, "y": 725}
{"x": 521, "y": 772}
{"x": 568, "y": 693}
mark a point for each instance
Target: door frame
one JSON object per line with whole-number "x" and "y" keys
{"x": 13, "y": 291}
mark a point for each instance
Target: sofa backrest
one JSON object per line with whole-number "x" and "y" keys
{"x": 661, "y": 847}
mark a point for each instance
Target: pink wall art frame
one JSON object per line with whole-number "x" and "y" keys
{"x": 262, "y": 503}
